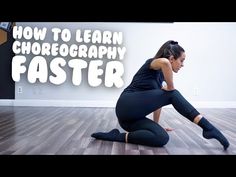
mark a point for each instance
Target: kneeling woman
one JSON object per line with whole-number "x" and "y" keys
{"x": 145, "y": 95}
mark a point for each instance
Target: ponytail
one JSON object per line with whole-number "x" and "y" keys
{"x": 169, "y": 48}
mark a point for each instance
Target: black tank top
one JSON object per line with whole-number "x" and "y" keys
{"x": 146, "y": 79}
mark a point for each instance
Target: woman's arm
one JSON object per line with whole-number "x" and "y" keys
{"x": 165, "y": 66}
{"x": 156, "y": 118}
{"x": 156, "y": 115}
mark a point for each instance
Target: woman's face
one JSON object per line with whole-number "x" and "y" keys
{"x": 177, "y": 63}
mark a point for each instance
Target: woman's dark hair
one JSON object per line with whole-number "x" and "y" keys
{"x": 169, "y": 48}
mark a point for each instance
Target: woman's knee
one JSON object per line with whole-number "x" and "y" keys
{"x": 175, "y": 92}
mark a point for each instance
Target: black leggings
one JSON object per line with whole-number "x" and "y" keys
{"x": 133, "y": 107}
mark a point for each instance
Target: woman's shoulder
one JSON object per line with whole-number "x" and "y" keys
{"x": 148, "y": 61}
{"x": 160, "y": 59}
{"x": 157, "y": 63}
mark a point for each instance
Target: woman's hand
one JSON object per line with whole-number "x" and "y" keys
{"x": 169, "y": 129}
{"x": 166, "y": 88}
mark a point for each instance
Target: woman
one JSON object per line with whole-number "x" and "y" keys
{"x": 146, "y": 94}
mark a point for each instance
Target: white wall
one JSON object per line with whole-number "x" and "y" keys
{"x": 208, "y": 75}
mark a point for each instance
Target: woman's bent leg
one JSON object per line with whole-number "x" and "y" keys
{"x": 146, "y": 132}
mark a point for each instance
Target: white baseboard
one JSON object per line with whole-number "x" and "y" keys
{"x": 95, "y": 103}
{"x": 57, "y": 103}
{"x": 211, "y": 104}
{"x": 5, "y": 102}
{"x": 214, "y": 104}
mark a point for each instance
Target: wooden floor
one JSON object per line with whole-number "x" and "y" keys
{"x": 57, "y": 130}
